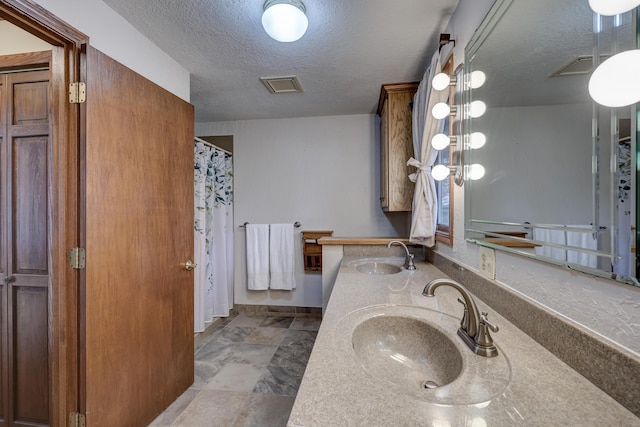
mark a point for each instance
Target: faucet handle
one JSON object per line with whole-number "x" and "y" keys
{"x": 464, "y": 322}
{"x": 483, "y": 337}
{"x": 410, "y": 265}
{"x": 485, "y": 321}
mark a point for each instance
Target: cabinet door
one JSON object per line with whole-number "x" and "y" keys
{"x": 137, "y": 344}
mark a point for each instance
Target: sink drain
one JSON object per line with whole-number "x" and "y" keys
{"x": 428, "y": 385}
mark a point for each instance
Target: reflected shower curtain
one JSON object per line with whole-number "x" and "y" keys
{"x": 624, "y": 212}
{"x": 213, "y": 234}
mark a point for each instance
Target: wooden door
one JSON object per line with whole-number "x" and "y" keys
{"x": 137, "y": 316}
{"x": 24, "y": 248}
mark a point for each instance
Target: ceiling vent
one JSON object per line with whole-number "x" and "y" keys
{"x": 583, "y": 64}
{"x": 285, "y": 84}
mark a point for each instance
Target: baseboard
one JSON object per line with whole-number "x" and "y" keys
{"x": 279, "y": 310}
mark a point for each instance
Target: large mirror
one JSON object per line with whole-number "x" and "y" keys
{"x": 560, "y": 178}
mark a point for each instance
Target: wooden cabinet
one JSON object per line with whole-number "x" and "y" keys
{"x": 396, "y": 146}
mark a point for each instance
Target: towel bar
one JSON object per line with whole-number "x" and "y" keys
{"x": 295, "y": 224}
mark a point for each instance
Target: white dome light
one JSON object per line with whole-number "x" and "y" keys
{"x": 477, "y": 109}
{"x": 284, "y": 20}
{"x": 616, "y": 82}
{"x": 477, "y": 79}
{"x": 440, "y": 141}
{"x": 612, "y": 7}
{"x": 440, "y": 172}
{"x": 475, "y": 171}
{"x": 442, "y": 110}
{"x": 441, "y": 81}
{"x": 477, "y": 140}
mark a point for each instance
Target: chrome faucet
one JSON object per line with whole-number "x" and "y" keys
{"x": 474, "y": 327}
{"x": 408, "y": 263}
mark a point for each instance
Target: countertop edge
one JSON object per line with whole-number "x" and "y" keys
{"x": 361, "y": 240}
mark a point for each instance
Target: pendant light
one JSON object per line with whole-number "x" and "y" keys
{"x": 284, "y": 20}
{"x": 615, "y": 82}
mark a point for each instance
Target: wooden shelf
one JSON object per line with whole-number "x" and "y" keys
{"x": 311, "y": 249}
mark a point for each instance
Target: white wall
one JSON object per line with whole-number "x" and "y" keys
{"x": 15, "y": 40}
{"x": 114, "y": 36}
{"x": 603, "y": 306}
{"x": 321, "y": 171}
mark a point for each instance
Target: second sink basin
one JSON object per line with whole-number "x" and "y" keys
{"x": 378, "y": 266}
{"x": 406, "y": 352}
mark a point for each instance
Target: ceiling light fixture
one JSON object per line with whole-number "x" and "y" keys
{"x": 284, "y": 20}
{"x": 615, "y": 83}
{"x": 612, "y": 7}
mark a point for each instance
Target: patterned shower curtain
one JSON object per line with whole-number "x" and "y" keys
{"x": 213, "y": 240}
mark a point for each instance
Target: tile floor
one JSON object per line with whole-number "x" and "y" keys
{"x": 247, "y": 372}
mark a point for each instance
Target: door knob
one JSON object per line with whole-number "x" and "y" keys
{"x": 9, "y": 279}
{"x": 189, "y": 265}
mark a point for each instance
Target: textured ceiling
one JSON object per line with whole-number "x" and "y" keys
{"x": 349, "y": 50}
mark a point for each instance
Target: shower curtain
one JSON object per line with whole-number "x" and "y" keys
{"x": 213, "y": 234}
{"x": 425, "y": 209}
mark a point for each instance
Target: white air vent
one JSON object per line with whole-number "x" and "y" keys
{"x": 285, "y": 84}
{"x": 581, "y": 65}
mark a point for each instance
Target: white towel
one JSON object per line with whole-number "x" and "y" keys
{"x": 282, "y": 257}
{"x": 551, "y": 236}
{"x": 257, "y": 256}
{"x": 585, "y": 241}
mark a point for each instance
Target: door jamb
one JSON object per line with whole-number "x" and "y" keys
{"x": 65, "y": 216}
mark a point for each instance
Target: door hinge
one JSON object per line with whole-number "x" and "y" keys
{"x": 77, "y": 258}
{"x": 77, "y": 92}
{"x": 76, "y": 419}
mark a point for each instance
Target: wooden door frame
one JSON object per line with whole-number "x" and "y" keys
{"x": 64, "y": 199}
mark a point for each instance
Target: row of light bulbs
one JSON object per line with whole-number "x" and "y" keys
{"x": 475, "y": 109}
{"x": 609, "y": 85}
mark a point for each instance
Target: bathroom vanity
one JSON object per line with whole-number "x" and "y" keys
{"x": 386, "y": 355}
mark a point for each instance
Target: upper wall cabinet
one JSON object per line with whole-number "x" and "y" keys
{"x": 396, "y": 145}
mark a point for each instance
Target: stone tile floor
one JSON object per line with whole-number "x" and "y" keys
{"x": 247, "y": 372}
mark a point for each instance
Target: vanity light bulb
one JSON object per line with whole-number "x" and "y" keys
{"x": 612, "y": 7}
{"x": 475, "y": 171}
{"x": 440, "y": 141}
{"x": 477, "y": 109}
{"x": 441, "y": 110}
{"x": 477, "y": 79}
{"x": 441, "y": 81}
{"x": 615, "y": 82}
{"x": 477, "y": 140}
{"x": 440, "y": 172}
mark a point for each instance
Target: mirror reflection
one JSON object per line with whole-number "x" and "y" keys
{"x": 558, "y": 167}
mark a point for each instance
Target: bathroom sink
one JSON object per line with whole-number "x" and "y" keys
{"x": 416, "y": 352}
{"x": 378, "y": 265}
{"x": 407, "y": 352}
{"x": 378, "y": 268}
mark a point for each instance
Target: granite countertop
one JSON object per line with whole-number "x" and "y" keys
{"x": 528, "y": 385}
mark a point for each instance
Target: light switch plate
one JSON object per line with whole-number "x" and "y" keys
{"x": 488, "y": 262}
